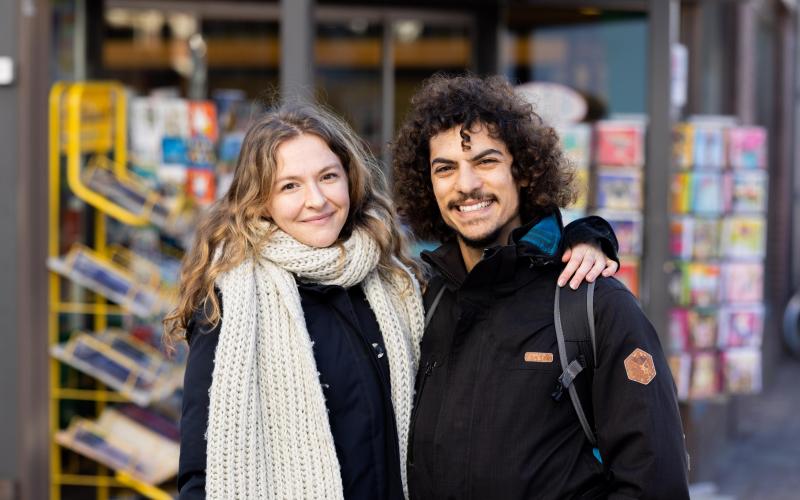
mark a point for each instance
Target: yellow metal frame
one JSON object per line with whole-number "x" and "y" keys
{"x": 85, "y": 118}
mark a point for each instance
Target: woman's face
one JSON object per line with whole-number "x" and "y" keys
{"x": 309, "y": 198}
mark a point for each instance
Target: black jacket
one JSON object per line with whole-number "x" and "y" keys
{"x": 485, "y": 424}
{"x": 345, "y": 334}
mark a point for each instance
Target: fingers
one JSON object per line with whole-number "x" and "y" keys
{"x": 576, "y": 257}
{"x": 586, "y": 266}
{"x": 598, "y": 267}
{"x": 611, "y": 268}
{"x": 567, "y": 255}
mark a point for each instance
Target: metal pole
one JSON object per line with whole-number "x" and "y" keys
{"x": 297, "y": 49}
{"x": 663, "y": 19}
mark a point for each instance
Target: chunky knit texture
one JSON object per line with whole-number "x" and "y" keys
{"x": 268, "y": 432}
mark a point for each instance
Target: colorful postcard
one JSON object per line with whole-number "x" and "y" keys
{"x": 200, "y": 185}
{"x": 709, "y": 146}
{"x": 203, "y": 120}
{"x": 747, "y": 191}
{"x": 619, "y": 189}
{"x": 628, "y": 227}
{"x": 620, "y": 143}
{"x": 681, "y": 193}
{"x": 747, "y": 147}
{"x": 700, "y": 283}
{"x": 741, "y": 325}
{"x": 628, "y": 274}
{"x": 683, "y": 146}
{"x": 743, "y": 236}
{"x": 705, "y": 376}
{"x": 742, "y": 282}
{"x": 680, "y": 364}
{"x": 679, "y": 337}
{"x": 576, "y": 141}
{"x": 705, "y": 238}
{"x": 681, "y": 237}
{"x": 703, "y": 327}
{"x": 706, "y": 193}
{"x": 742, "y": 370}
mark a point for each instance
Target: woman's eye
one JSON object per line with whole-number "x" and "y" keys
{"x": 288, "y": 186}
{"x": 330, "y": 176}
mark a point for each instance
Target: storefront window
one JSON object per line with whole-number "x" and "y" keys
{"x": 602, "y": 55}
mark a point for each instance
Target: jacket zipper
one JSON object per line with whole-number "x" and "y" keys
{"x": 429, "y": 366}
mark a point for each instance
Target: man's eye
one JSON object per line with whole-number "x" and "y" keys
{"x": 487, "y": 161}
{"x": 442, "y": 169}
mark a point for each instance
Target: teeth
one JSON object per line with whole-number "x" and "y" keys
{"x": 472, "y": 208}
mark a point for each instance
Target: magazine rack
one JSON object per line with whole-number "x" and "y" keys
{"x": 88, "y": 120}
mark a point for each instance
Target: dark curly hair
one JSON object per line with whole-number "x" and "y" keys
{"x": 444, "y": 102}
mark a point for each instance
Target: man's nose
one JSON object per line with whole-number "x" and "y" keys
{"x": 468, "y": 180}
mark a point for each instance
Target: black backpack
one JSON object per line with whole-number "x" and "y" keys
{"x": 573, "y": 314}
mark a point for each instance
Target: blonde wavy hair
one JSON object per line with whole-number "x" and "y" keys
{"x": 230, "y": 232}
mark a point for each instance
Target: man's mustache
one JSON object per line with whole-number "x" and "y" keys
{"x": 475, "y": 195}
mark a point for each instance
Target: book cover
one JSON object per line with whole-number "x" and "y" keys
{"x": 683, "y": 146}
{"x": 742, "y": 370}
{"x": 628, "y": 227}
{"x": 705, "y": 238}
{"x": 620, "y": 143}
{"x": 619, "y": 189}
{"x": 681, "y": 237}
{"x": 703, "y": 327}
{"x": 200, "y": 151}
{"x": 681, "y": 193}
{"x": 706, "y": 197}
{"x": 741, "y": 325}
{"x": 743, "y": 236}
{"x": 680, "y": 364}
{"x": 742, "y": 282}
{"x": 747, "y": 147}
{"x": 705, "y": 376}
{"x": 700, "y": 283}
{"x": 146, "y": 130}
{"x": 747, "y": 191}
{"x": 576, "y": 142}
{"x": 679, "y": 337}
{"x": 709, "y": 146}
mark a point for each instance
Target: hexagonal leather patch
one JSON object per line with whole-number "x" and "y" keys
{"x": 640, "y": 367}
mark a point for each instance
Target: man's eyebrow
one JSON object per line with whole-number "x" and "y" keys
{"x": 442, "y": 160}
{"x": 485, "y": 153}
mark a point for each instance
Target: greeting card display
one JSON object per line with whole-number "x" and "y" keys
{"x": 706, "y": 193}
{"x": 747, "y": 191}
{"x": 742, "y": 370}
{"x": 703, "y": 328}
{"x": 628, "y": 228}
{"x": 709, "y": 145}
{"x": 743, "y": 236}
{"x": 680, "y": 364}
{"x": 705, "y": 376}
{"x": 620, "y": 143}
{"x": 742, "y": 282}
{"x": 681, "y": 237}
{"x": 681, "y": 193}
{"x": 619, "y": 189}
{"x": 576, "y": 141}
{"x": 700, "y": 283}
{"x": 683, "y": 146}
{"x": 747, "y": 147}
{"x": 741, "y": 326}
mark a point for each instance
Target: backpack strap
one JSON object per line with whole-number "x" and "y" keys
{"x": 574, "y": 321}
{"x": 439, "y": 286}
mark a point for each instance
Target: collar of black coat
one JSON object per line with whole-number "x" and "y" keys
{"x": 535, "y": 243}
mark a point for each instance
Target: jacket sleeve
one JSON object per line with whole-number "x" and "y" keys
{"x": 592, "y": 229}
{"x": 194, "y": 413}
{"x": 638, "y": 422}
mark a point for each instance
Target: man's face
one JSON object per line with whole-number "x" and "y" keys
{"x": 474, "y": 188}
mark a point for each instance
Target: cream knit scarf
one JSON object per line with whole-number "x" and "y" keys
{"x": 268, "y": 431}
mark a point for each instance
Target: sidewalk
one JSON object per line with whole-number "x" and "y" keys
{"x": 763, "y": 462}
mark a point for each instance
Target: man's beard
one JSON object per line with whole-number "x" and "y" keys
{"x": 482, "y": 243}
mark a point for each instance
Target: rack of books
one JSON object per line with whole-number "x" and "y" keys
{"x": 120, "y": 217}
{"x": 608, "y": 158}
{"x": 718, "y": 239}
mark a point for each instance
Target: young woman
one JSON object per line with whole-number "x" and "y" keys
{"x": 303, "y": 314}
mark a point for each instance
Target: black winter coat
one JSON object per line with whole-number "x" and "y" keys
{"x": 345, "y": 334}
{"x": 485, "y": 423}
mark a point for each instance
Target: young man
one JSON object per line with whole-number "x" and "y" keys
{"x": 476, "y": 169}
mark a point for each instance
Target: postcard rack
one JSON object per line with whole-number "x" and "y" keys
{"x": 88, "y": 167}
